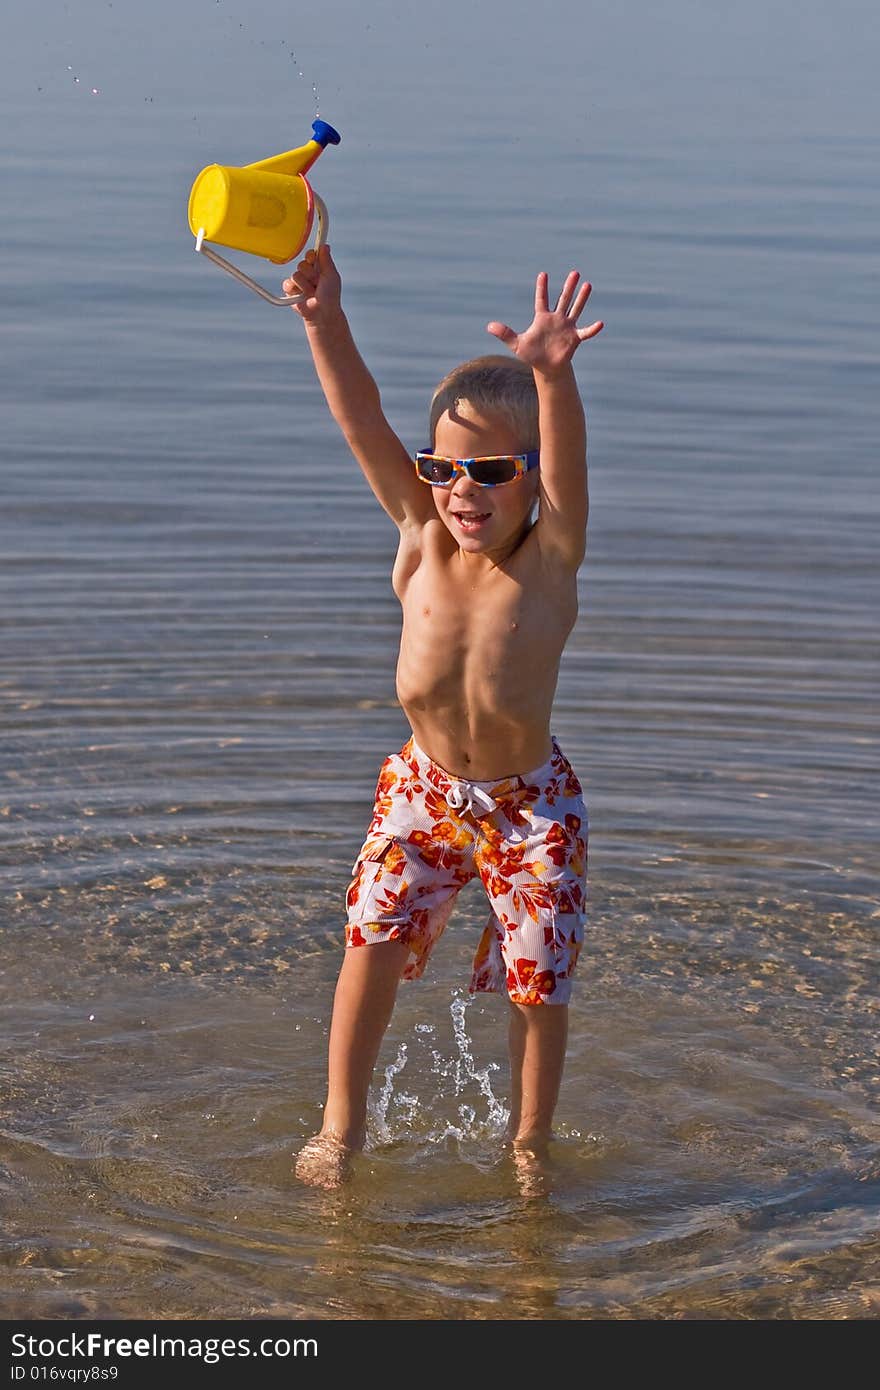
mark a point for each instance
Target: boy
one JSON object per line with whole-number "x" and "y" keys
{"x": 489, "y": 598}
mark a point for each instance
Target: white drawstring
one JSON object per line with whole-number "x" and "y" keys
{"x": 465, "y": 796}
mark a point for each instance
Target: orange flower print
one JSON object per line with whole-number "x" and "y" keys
{"x": 491, "y": 853}
{"x": 526, "y": 837}
{"x": 531, "y": 985}
{"x": 525, "y": 969}
{"x": 544, "y": 981}
{"x": 495, "y": 885}
{"x": 388, "y": 780}
{"x": 394, "y": 862}
{"x": 534, "y": 898}
{"x": 429, "y": 850}
{"x": 412, "y": 789}
{"x": 482, "y": 952}
{"x": 390, "y": 903}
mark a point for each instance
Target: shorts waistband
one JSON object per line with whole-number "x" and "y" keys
{"x": 495, "y": 787}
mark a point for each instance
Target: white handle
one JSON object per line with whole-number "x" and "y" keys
{"x": 282, "y": 300}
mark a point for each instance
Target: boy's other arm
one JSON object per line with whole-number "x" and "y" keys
{"x": 563, "y": 489}
{"x": 548, "y": 345}
{"x": 353, "y": 396}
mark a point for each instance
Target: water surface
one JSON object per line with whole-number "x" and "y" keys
{"x": 197, "y": 678}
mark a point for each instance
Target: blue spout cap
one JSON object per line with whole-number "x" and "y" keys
{"x": 325, "y": 134}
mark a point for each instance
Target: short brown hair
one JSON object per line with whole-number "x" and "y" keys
{"x": 499, "y": 385}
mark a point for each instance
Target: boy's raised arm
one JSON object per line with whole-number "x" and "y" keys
{"x": 352, "y": 394}
{"x": 548, "y": 346}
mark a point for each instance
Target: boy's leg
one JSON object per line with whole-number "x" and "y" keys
{"x": 538, "y": 1035}
{"x": 362, "y": 1008}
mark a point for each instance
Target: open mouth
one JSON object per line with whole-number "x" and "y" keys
{"x": 471, "y": 521}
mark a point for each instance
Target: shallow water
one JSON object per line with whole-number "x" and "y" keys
{"x": 197, "y": 684}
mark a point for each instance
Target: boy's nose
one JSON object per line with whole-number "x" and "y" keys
{"x": 465, "y": 487}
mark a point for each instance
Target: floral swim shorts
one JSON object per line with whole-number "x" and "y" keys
{"x": 526, "y": 837}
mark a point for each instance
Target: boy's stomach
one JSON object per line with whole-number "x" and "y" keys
{"x": 479, "y": 735}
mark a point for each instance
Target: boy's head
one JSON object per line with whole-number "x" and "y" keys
{"x": 484, "y": 407}
{"x": 493, "y": 385}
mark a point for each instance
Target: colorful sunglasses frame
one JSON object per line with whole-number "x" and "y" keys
{"x": 522, "y": 463}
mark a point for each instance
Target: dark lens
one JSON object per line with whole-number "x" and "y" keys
{"x": 491, "y": 472}
{"x": 435, "y": 470}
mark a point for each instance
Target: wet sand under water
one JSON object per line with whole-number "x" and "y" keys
{"x": 717, "y": 1154}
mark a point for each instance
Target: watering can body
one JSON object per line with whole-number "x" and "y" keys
{"x": 266, "y": 209}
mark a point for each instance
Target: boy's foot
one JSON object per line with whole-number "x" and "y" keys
{"x": 532, "y": 1170}
{"x": 324, "y": 1161}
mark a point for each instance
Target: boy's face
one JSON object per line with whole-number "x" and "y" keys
{"x": 481, "y": 519}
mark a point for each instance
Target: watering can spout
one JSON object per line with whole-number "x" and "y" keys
{"x": 299, "y": 161}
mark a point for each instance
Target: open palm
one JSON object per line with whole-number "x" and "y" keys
{"x": 553, "y": 337}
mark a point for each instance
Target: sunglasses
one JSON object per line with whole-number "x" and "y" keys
{"x": 493, "y": 470}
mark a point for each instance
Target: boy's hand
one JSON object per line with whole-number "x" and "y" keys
{"x": 553, "y": 337}
{"x": 317, "y": 277}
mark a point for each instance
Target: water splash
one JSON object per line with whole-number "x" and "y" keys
{"x": 301, "y": 74}
{"x": 397, "y": 1116}
{"x": 95, "y": 91}
{"x": 381, "y": 1130}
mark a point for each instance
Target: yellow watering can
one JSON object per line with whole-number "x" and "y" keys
{"x": 267, "y": 209}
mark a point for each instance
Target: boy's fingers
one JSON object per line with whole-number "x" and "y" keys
{"x": 501, "y": 330}
{"x": 541, "y": 292}
{"x": 583, "y": 295}
{"x": 564, "y": 300}
{"x": 304, "y": 276}
{"x": 594, "y": 328}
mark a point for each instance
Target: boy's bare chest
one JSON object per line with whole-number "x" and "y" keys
{"x": 503, "y": 618}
